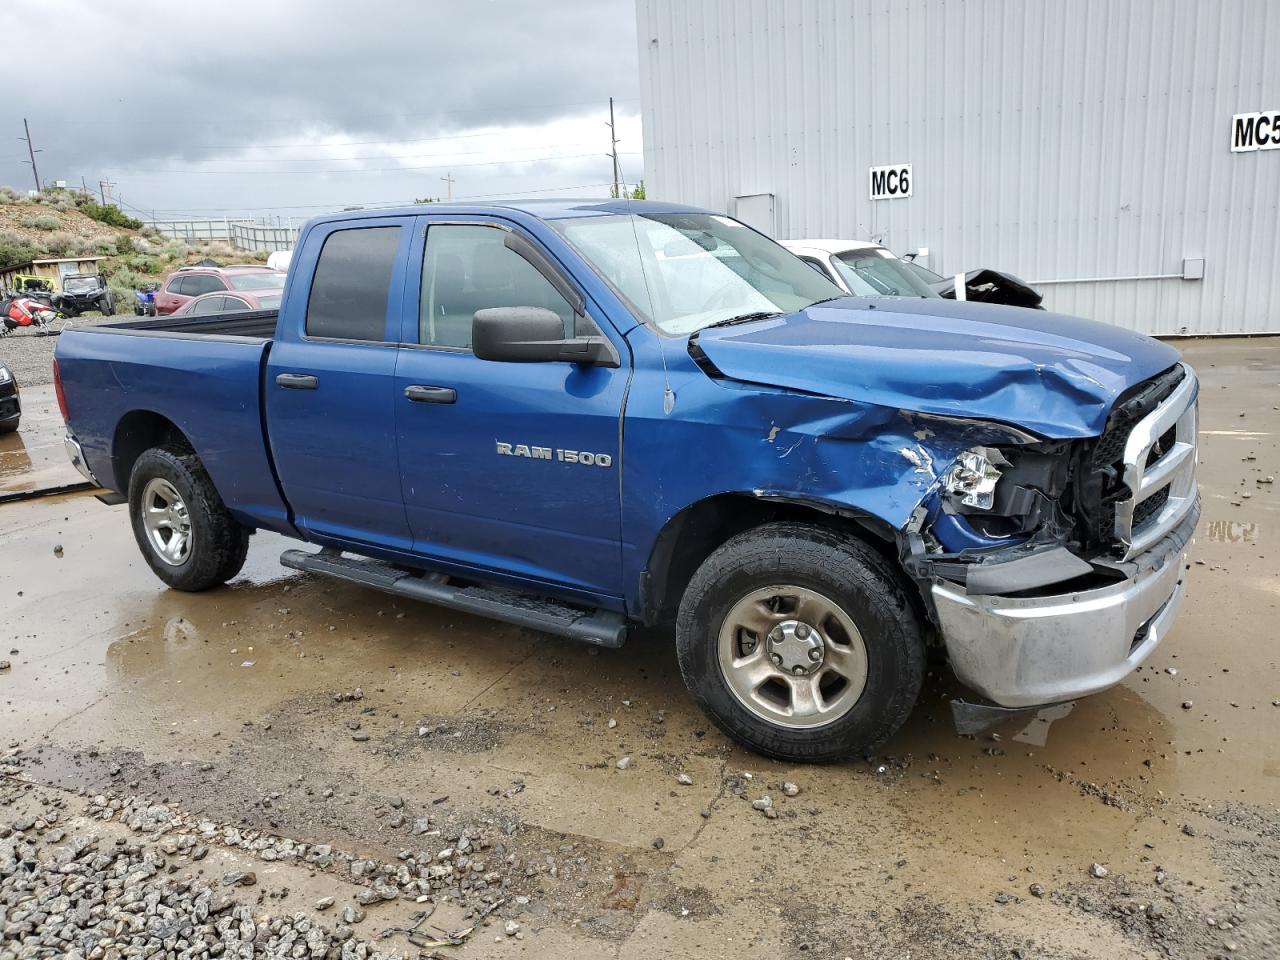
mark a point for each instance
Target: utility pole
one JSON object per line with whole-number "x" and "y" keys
{"x": 31, "y": 152}
{"x": 104, "y": 190}
{"x": 448, "y": 179}
{"x": 613, "y": 151}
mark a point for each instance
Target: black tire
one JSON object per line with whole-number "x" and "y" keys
{"x": 865, "y": 588}
{"x": 218, "y": 544}
{"x": 107, "y": 307}
{"x": 10, "y": 426}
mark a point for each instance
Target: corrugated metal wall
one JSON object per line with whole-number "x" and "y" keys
{"x": 1056, "y": 140}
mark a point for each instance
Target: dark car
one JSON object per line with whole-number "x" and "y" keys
{"x": 10, "y": 401}
{"x": 210, "y": 303}
{"x": 188, "y": 283}
{"x": 85, "y": 291}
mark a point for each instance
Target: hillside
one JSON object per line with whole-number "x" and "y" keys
{"x": 61, "y": 223}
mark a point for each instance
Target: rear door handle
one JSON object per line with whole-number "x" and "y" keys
{"x": 297, "y": 381}
{"x": 423, "y": 394}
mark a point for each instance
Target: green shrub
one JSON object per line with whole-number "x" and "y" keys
{"x": 111, "y": 215}
{"x": 45, "y": 222}
{"x": 61, "y": 244}
{"x": 124, "y": 244}
{"x": 16, "y": 249}
{"x": 144, "y": 264}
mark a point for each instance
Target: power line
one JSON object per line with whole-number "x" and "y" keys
{"x": 398, "y": 169}
{"x": 79, "y": 121}
{"x": 376, "y": 156}
{"x": 368, "y": 205}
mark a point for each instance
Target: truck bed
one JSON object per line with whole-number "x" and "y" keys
{"x": 203, "y": 375}
{"x": 251, "y": 324}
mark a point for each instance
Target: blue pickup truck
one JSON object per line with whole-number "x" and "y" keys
{"x": 587, "y": 416}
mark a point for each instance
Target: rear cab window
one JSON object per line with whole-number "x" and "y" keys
{"x": 351, "y": 285}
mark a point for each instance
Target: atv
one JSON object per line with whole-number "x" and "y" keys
{"x": 85, "y": 291}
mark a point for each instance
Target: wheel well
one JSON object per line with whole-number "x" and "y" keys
{"x": 137, "y": 432}
{"x": 695, "y": 532}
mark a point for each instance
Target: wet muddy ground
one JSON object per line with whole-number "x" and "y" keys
{"x": 238, "y": 708}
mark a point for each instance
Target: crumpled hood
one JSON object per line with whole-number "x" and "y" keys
{"x": 1045, "y": 372}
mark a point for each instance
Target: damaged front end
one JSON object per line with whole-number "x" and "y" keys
{"x": 1053, "y": 568}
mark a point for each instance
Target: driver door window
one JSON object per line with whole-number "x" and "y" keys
{"x": 468, "y": 268}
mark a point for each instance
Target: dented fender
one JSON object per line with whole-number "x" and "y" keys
{"x": 725, "y": 437}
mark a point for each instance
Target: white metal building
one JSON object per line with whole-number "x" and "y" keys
{"x": 1102, "y": 149}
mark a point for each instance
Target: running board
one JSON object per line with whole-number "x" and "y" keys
{"x": 601, "y": 628}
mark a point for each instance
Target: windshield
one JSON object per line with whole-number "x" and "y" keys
{"x": 876, "y": 272}
{"x": 256, "y": 281}
{"x": 270, "y": 302}
{"x": 79, "y": 284}
{"x": 685, "y": 271}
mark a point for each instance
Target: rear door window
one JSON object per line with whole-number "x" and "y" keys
{"x": 352, "y": 283}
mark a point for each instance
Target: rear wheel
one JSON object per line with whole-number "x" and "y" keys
{"x": 107, "y": 306}
{"x": 800, "y": 643}
{"x": 184, "y": 530}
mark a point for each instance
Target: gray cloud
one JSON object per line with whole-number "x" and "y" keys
{"x": 187, "y": 105}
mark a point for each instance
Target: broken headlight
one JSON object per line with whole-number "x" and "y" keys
{"x": 972, "y": 479}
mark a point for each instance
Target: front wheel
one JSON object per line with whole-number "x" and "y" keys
{"x": 800, "y": 643}
{"x": 184, "y": 530}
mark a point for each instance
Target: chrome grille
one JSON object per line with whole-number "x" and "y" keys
{"x": 1159, "y": 470}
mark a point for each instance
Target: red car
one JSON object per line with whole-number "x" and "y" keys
{"x": 209, "y": 303}
{"x": 184, "y": 285}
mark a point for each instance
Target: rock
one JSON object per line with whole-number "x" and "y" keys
{"x": 1098, "y": 871}
{"x": 764, "y": 803}
{"x": 5, "y": 665}
{"x": 57, "y": 550}
{"x": 511, "y": 928}
{"x": 324, "y": 903}
{"x": 1188, "y": 830}
{"x": 359, "y": 737}
{"x": 624, "y": 763}
{"x": 612, "y": 723}
{"x": 246, "y": 878}
{"x": 684, "y": 779}
{"x": 659, "y": 843}
{"x": 1187, "y": 704}
{"x": 1036, "y": 889}
{"x": 790, "y": 789}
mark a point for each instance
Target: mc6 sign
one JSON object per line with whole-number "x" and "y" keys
{"x": 891, "y": 182}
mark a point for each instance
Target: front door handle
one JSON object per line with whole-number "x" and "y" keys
{"x": 423, "y": 394}
{"x": 297, "y": 381}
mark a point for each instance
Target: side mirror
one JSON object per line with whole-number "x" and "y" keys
{"x": 534, "y": 335}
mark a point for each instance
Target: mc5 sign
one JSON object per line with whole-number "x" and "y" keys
{"x": 891, "y": 182}
{"x": 1255, "y": 131}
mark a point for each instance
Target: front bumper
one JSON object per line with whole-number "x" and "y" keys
{"x": 1030, "y": 651}
{"x": 76, "y": 455}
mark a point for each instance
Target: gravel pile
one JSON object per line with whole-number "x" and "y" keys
{"x": 83, "y": 896}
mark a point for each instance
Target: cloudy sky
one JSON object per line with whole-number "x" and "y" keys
{"x": 293, "y": 107}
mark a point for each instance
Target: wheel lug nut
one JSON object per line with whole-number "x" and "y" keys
{"x": 777, "y": 658}
{"x": 815, "y": 654}
{"x": 802, "y": 630}
{"x": 797, "y": 670}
